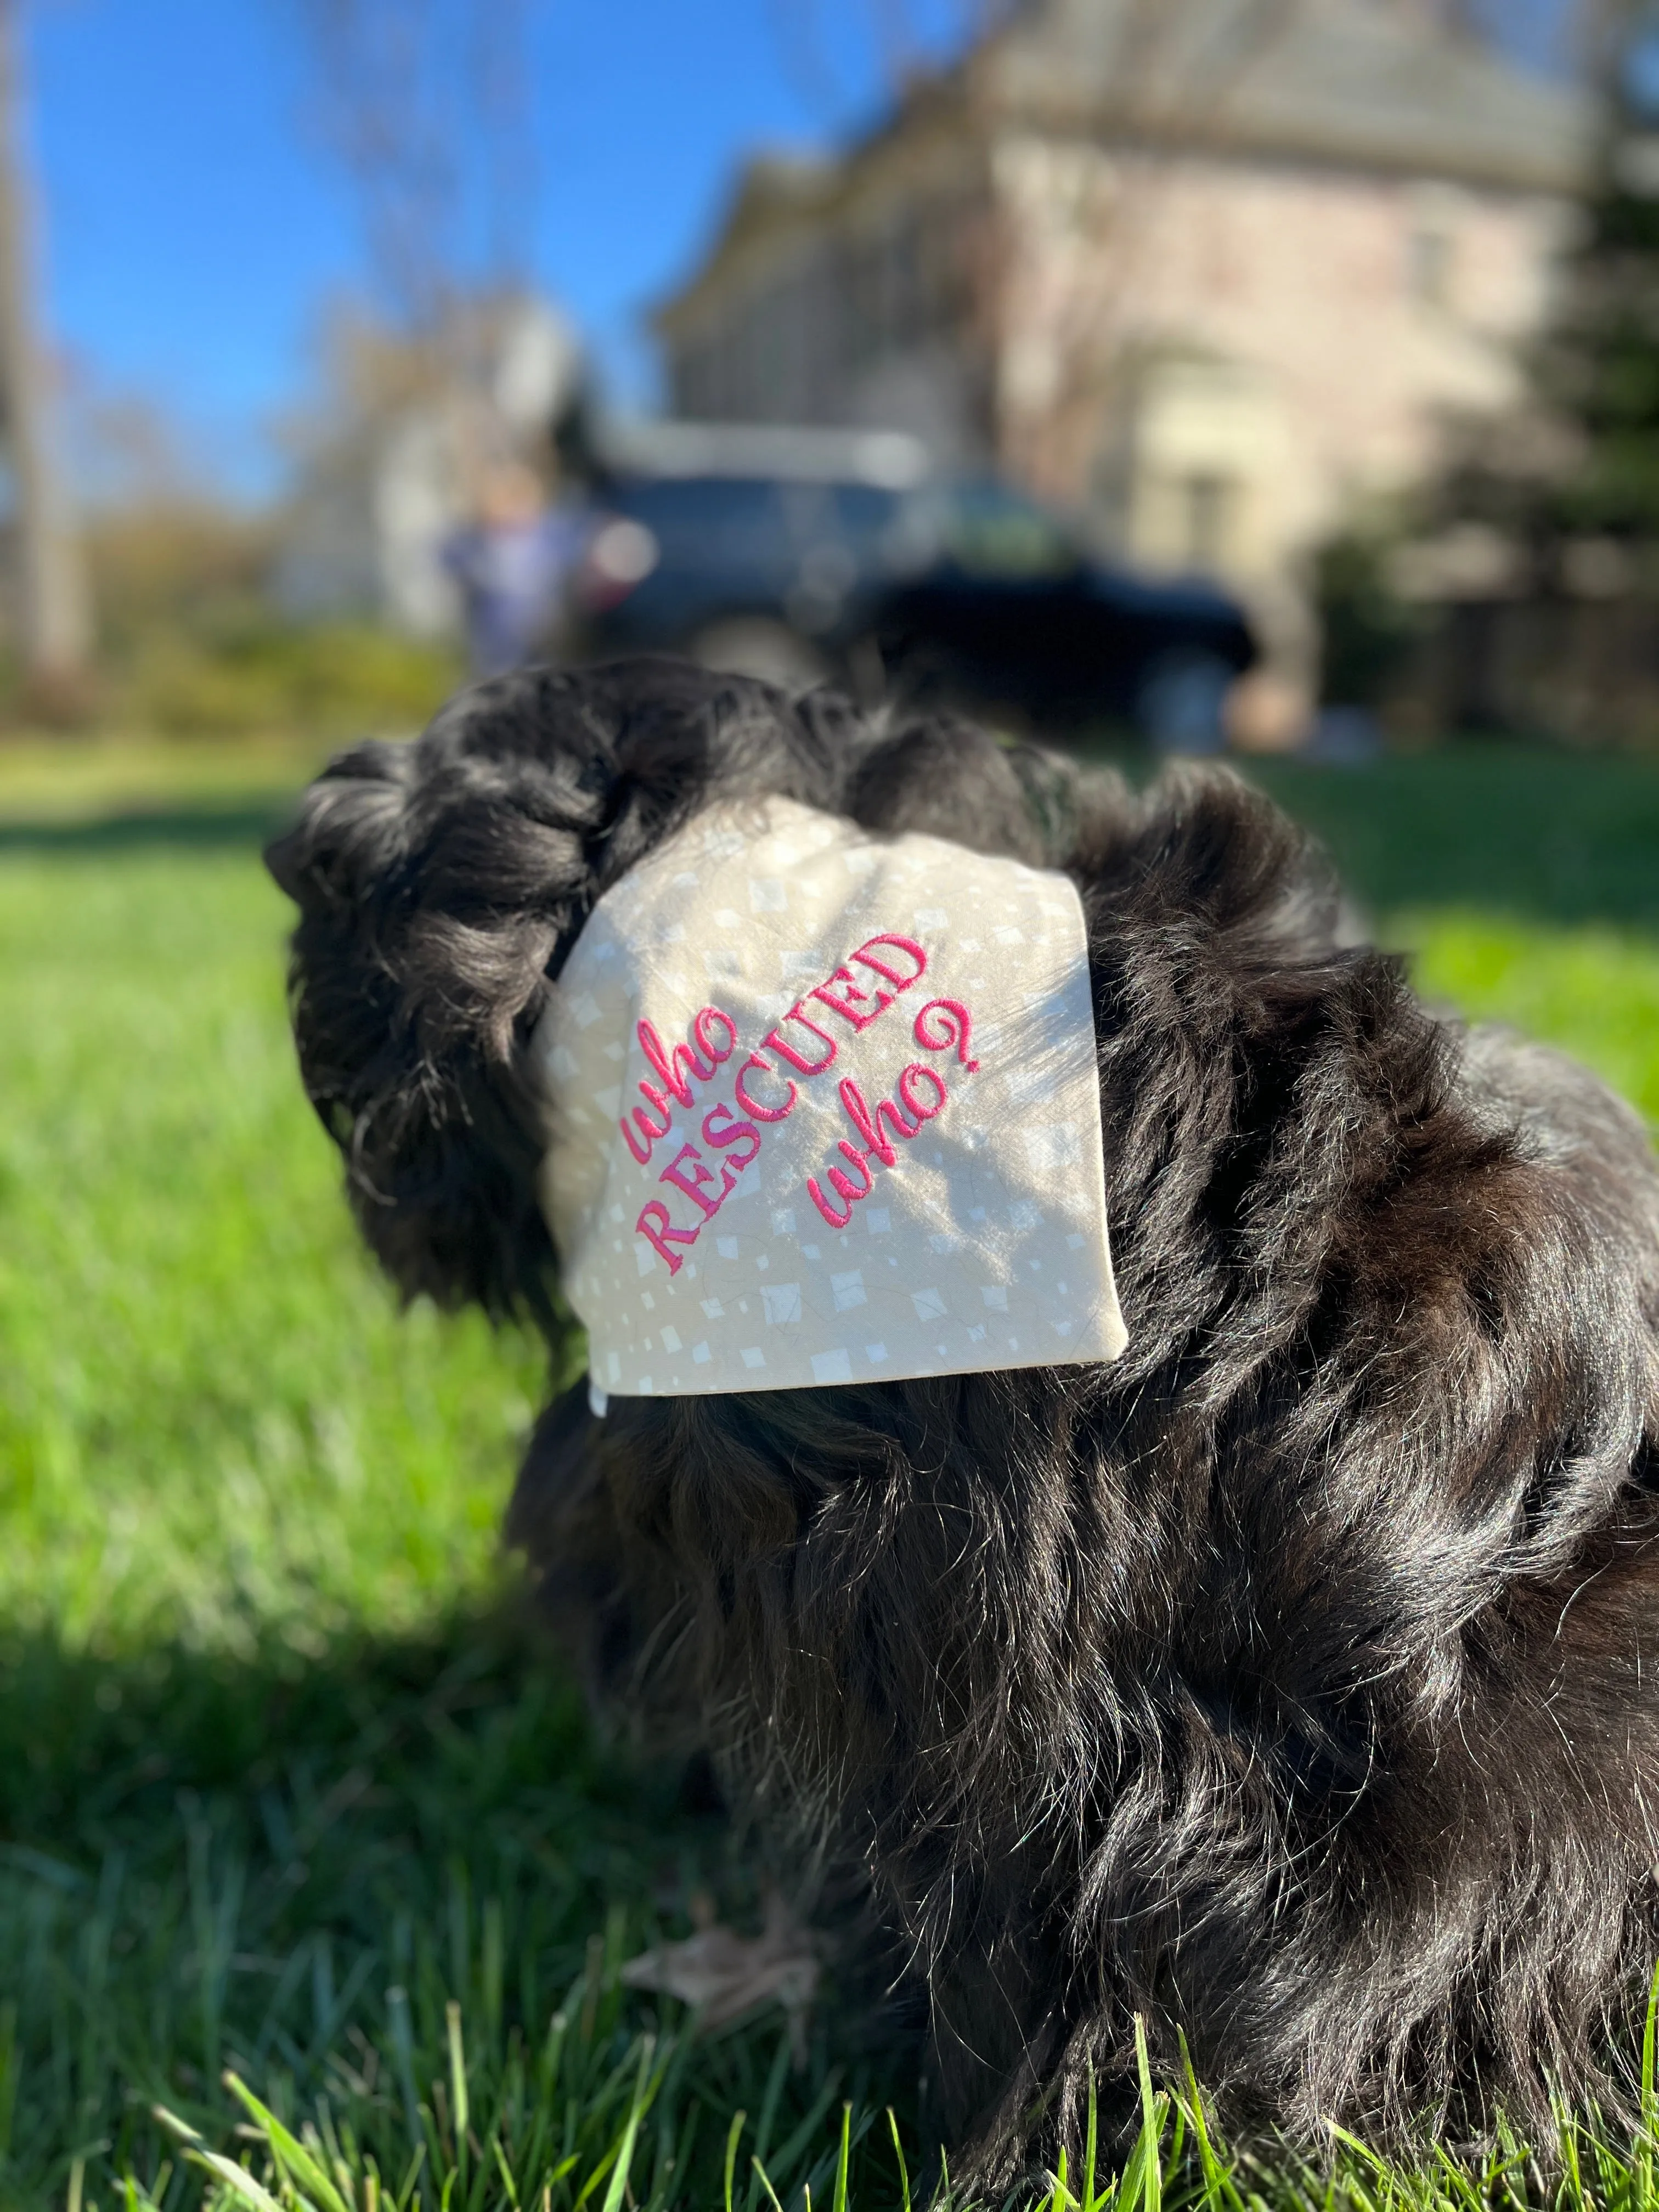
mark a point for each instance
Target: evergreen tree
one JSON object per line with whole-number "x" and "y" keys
{"x": 1599, "y": 370}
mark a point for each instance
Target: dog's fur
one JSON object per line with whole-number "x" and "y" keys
{"x": 1295, "y": 1681}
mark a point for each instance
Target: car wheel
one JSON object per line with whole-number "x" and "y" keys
{"x": 1182, "y": 705}
{"x": 768, "y": 650}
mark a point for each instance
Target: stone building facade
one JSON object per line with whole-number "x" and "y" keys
{"x": 1218, "y": 271}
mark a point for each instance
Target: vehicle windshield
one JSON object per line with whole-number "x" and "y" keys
{"x": 694, "y": 510}
{"x": 979, "y": 527}
{"x": 698, "y": 518}
{"x": 988, "y": 530}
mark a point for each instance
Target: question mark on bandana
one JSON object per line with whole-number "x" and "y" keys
{"x": 954, "y": 1026}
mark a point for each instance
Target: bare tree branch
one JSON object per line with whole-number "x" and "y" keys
{"x": 1598, "y": 31}
{"x": 903, "y": 45}
{"x": 1169, "y": 99}
{"x": 426, "y": 104}
{"x": 800, "y": 51}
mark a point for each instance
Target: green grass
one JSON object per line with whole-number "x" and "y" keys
{"x": 89, "y": 777}
{"x": 285, "y": 1792}
{"x": 215, "y": 1423}
{"x": 1560, "y": 838}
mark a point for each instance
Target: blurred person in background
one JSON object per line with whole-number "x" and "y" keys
{"x": 513, "y": 565}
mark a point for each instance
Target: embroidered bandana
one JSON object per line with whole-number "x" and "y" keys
{"x": 822, "y": 1109}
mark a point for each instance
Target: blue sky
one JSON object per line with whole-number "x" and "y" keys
{"x": 195, "y": 226}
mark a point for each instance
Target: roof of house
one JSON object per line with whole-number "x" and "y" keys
{"x": 770, "y": 189}
{"x": 1365, "y": 83}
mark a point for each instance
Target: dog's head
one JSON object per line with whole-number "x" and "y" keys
{"x": 441, "y": 885}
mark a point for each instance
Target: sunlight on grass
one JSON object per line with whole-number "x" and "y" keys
{"x": 66, "y": 778}
{"x": 214, "y": 1414}
{"x": 1593, "y": 991}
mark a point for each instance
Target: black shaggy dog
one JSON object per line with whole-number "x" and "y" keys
{"x": 1294, "y": 1682}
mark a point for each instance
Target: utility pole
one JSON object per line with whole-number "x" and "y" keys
{"x": 54, "y": 615}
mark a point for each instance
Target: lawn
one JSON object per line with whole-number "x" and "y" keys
{"x": 285, "y": 1791}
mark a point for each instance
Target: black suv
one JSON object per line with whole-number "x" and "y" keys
{"x": 850, "y": 563}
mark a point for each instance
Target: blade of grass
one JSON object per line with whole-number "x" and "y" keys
{"x": 1152, "y": 2108}
{"x": 1091, "y": 2146}
{"x": 843, "y": 2160}
{"x": 291, "y": 2156}
{"x": 765, "y": 2181}
{"x": 1220, "y": 2193}
{"x": 638, "y": 2107}
{"x": 458, "y": 2085}
{"x": 898, "y": 2153}
{"x": 236, "y": 2178}
{"x": 732, "y": 2133}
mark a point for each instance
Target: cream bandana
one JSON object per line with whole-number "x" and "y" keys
{"x": 823, "y": 1109}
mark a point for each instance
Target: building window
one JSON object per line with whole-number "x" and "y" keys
{"x": 768, "y": 346}
{"x": 1209, "y": 503}
{"x": 903, "y": 273}
{"x": 862, "y": 276}
{"x": 1433, "y": 254}
{"x": 693, "y": 380}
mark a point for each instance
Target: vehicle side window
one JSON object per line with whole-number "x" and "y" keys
{"x": 686, "y": 511}
{"x": 865, "y": 513}
{"x": 986, "y": 530}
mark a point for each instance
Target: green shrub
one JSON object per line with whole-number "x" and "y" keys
{"x": 341, "y": 678}
{"x": 1369, "y": 632}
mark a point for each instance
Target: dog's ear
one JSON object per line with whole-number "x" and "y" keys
{"x": 431, "y": 902}
{"x": 441, "y": 885}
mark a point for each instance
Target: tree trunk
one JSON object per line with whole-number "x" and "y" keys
{"x": 53, "y": 617}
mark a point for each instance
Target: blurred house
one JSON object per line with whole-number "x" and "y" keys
{"x": 391, "y": 467}
{"x": 1216, "y": 270}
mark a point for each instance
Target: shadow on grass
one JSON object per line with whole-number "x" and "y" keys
{"x": 289, "y": 1865}
{"x": 243, "y": 822}
{"x": 1539, "y": 834}
{"x": 390, "y": 1888}
{"x": 1546, "y": 835}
